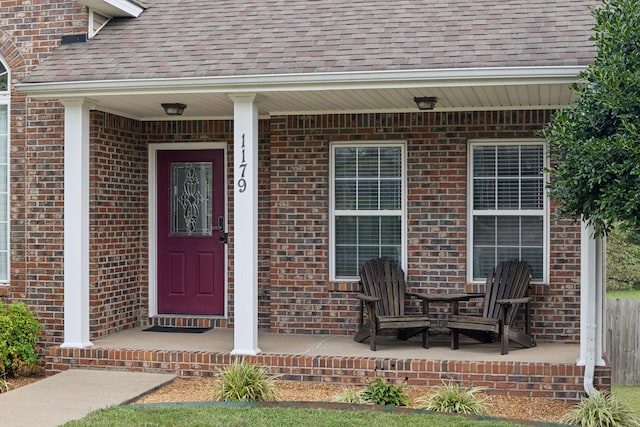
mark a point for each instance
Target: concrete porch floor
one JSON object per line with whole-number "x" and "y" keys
{"x": 220, "y": 340}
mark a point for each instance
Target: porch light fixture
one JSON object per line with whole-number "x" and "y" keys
{"x": 425, "y": 102}
{"x": 174, "y": 109}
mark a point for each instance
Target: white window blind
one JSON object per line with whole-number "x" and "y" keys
{"x": 367, "y": 201}
{"x": 4, "y": 172}
{"x": 508, "y": 206}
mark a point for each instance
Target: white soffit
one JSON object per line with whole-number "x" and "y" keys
{"x": 456, "y": 90}
{"x": 114, "y": 8}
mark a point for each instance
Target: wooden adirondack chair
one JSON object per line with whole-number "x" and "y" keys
{"x": 383, "y": 293}
{"x": 506, "y": 291}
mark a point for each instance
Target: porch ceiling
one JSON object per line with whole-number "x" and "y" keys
{"x": 219, "y": 105}
{"x": 208, "y": 98}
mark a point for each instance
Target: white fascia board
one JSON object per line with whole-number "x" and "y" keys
{"x": 115, "y": 8}
{"x": 317, "y": 81}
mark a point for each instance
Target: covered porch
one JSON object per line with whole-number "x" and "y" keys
{"x": 278, "y": 260}
{"x": 547, "y": 371}
{"x": 281, "y": 261}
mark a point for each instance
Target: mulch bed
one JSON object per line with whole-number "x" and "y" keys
{"x": 512, "y": 407}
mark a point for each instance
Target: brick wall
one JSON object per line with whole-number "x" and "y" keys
{"x": 299, "y": 226}
{"x": 118, "y": 225}
{"x": 303, "y": 300}
{"x": 296, "y": 295}
{"x": 44, "y": 221}
{"x": 31, "y": 29}
{"x": 561, "y": 381}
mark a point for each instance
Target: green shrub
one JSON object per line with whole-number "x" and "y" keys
{"x": 350, "y": 395}
{"x": 600, "y": 409}
{"x": 18, "y": 338}
{"x": 623, "y": 260}
{"x": 241, "y": 381}
{"x": 381, "y": 393}
{"x": 453, "y": 398}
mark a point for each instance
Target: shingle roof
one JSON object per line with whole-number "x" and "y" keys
{"x": 204, "y": 38}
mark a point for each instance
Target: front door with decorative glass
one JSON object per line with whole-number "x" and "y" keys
{"x": 191, "y": 233}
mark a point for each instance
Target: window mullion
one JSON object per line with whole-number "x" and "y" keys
{"x": 519, "y": 177}
{"x": 508, "y": 212}
{"x": 496, "y": 178}
{"x": 379, "y": 182}
{"x": 394, "y": 212}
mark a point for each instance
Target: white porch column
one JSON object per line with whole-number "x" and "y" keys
{"x": 245, "y": 224}
{"x": 591, "y": 298}
{"x": 76, "y": 224}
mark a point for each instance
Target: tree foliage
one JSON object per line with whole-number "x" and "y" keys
{"x": 594, "y": 144}
{"x": 623, "y": 261}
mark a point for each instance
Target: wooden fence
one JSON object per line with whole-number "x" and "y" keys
{"x": 623, "y": 340}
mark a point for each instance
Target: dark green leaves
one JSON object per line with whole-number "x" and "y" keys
{"x": 594, "y": 145}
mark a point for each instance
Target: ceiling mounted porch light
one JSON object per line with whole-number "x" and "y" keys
{"x": 425, "y": 102}
{"x": 174, "y": 109}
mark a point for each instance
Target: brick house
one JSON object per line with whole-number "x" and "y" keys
{"x": 299, "y": 154}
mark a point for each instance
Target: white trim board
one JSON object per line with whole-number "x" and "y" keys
{"x": 312, "y": 81}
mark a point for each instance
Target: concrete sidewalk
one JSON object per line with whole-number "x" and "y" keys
{"x": 72, "y": 394}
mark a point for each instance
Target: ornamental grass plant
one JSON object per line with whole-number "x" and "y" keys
{"x": 454, "y": 399}
{"x": 5, "y": 386}
{"x": 242, "y": 381}
{"x": 601, "y": 409}
{"x": 350, "y": 395}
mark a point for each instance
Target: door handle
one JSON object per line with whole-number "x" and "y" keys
{"x": 225, "y": 236}
{"x": 220, "y": 226}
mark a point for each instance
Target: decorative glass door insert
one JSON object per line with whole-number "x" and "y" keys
{"x": 191, "y": 207}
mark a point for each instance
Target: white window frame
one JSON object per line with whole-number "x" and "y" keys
{"x": 5, "y": 99}
{"x": 503, "y": 212}
{"x": 332, "y": 211}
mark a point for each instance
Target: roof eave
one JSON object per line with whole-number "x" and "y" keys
{"x": 316, "y": 81}
{"x": 115, "y": 8}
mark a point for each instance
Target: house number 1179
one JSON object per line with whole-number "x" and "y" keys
{"x": 242, "y": 182}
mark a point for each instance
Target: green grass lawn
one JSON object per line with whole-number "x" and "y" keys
{"x": 268, "y": 417}
{"x": 623, "y": 294}
{"x": 630, "y": 395}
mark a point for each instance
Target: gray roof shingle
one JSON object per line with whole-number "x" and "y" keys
{"x": 205, "y": 38}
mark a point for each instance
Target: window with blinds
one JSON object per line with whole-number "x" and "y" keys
{"x": 508, "y": 215}
{"x": 5, "y": 97}
{"x": 367, "y": 205}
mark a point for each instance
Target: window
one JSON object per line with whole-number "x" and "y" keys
{"x": 4, "y": 172}
{"x": 4, "y": 79}
{"x": 508, "y": 217}
{"x": 367, "y": 203}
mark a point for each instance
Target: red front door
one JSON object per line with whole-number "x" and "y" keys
{"x": 190, "y": 250}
